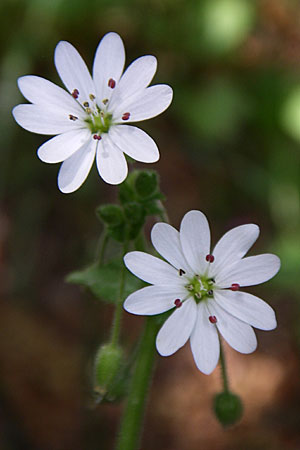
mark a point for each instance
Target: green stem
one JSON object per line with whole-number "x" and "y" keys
{"x": 131, "y": 425}
{"x": 223, "y": 367}
{"x": 116, "y": 326}
{"x": 101, "y": 247}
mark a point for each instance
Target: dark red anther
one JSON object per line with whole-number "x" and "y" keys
{"x": 178, "y": 303}
{"x": 97, "y": 137}
{"x": 212, "y": 319}
{"x": 75, "y": 93}
{"x": 210, "y": 258}
{"x": 181, "y": 272}
{"x": 235, "y": 287}
{"x": 111, "y": 83}
{"x": 126, "y": 116}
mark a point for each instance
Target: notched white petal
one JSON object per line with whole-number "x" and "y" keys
{"x": 249, "y": 271}
{"x": 148, "y": 103}
{"x": 177, "y": 329}
{"x": 153, "y": 299}
{"x": 111, "y": 162}
{"x": 76, "y": 168}
{"x": 247, "y": 307}
{"x": 151, "y": 269}
{"x": 61, "y": 147}
{"x": 237, "y": 333}
{"x": 135, "y": 143}
{"x": 195, "y": 240}
{"x": 205, "y": 344}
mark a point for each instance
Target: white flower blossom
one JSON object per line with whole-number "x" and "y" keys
{"x": 91, "y": 120}
{"x": 203, "y": 288}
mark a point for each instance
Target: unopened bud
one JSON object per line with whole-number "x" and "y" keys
{"x": 108, "y": 363}
{"x": 146, "y": 183}
{"x": 228, "y": 408}
{"x": 110, "y": 214}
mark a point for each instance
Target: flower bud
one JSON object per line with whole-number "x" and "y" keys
{"x": 110, "y": 214}
{"x": 134, "y": 213}
{"x": 228, "y": 408}
{"x": 108, "y": 362}
{"x": 146, "y": 183}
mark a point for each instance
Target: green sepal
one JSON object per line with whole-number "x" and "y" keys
{"x": 134, "y": 213}
{"x": 146, "y": 183}
{"x": 110, "y": 214}
{"x": 111, "y": 374}
{"x": 101, "y": 281}
{"x": 228, "y": 408}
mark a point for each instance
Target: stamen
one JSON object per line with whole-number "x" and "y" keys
{"x": 111, "y": 83}
{"x": 92, "y": 97}
{"x": 190, "y": 287}
{"x": 105, "y": 101}
{"x": 178, "y": 303}
{"x": 71, "y": 117}
{"x": 126, "y": 116}
{"x": 212, "y": 319}
{"x": 181, "y": 272}
{"x": 75, "y": 93}
{"x": 235, "y": 287}
{"x": 97, "y": 137}
{"x": 86, "y": 104}
{"x": 198, "y": 295}
{"x": 210, "y": 292}
{"x": 210, "y": 258}
{"x": 88, "y": 110}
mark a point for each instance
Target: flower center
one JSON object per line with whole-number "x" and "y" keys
{"x": 201, "y": 287}
{"x": 99, "y": 121}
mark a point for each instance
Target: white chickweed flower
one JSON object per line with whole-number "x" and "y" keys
{"x": 203, "y": 287}
{"x": 91, "y": 120}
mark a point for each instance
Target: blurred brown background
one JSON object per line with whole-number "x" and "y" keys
{"x": 229, "y": 146}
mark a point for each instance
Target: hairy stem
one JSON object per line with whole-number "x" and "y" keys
{"x": 131, "y": 425}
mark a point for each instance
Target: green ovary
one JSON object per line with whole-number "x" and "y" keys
{"x": 200, "y": 287}
{"x": 99, "y": 123}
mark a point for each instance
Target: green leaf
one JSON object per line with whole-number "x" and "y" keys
{"x": 103, "y": 281}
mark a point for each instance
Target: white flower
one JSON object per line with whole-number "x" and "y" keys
{"x": 92, "y": 120}
{"x": 203, "y": 288}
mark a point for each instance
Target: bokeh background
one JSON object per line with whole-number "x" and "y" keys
{"x": 230, "y": 146}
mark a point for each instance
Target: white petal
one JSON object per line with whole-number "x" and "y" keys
{"x": 154, "y": 299}
{"x": 75, "y": 169}
{"x": 135, "y": 143}
{"x": 166, "y": 241}
{"x": 136, "y": 78}
{"x": 148, "y": 103}
{"x": 204, "y": 341}
{"x": 151, "y": 269}
{"x": 108, "y": 64}
{"x": 61, "y": 147}
{"x": 111, "y": 162}
{"x": 249, "y": 271}
{"x": 247, "y": 307}
{"x": 44, "y": 93}
{"x": 42, "y": 120}
{"x": 238, "y": 334}
{"x": 195, "y": 240}
{"x": 73, "y": 71}
{"x": 233, "y": 246}
{"x": 177, "y": 328}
